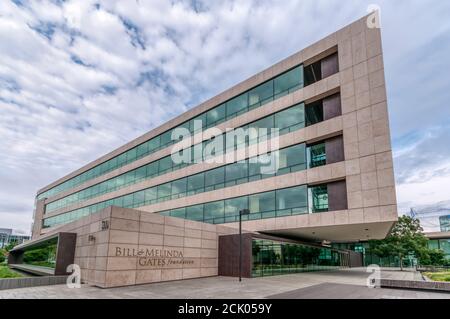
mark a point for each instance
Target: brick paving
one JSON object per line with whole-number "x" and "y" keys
{"x": 305, "y": 285}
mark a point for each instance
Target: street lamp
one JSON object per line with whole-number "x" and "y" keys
{"x": 244, "y": 211}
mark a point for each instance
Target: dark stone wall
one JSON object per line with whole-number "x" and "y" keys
{"x": 65, "y": 253}
{"x": 334, "y": 148}
{"x": 330, "y": 65}
{"x": 337, "y": 196}
{"x": 356, "y": 259}
{"x": 332, "y": 107}
{"x": 229, "y": 255}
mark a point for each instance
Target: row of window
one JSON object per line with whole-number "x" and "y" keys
{"x": 286, "y": 121}
{"x": 286, "y": 160}
{"x": 290, "y": 159}
{"x": 442, "y": 244}
{"x": 271, "y": 258}
{"x": 282, "y": 202}
{"x": 273, "y": 89}
{"x": 278, "y": 203}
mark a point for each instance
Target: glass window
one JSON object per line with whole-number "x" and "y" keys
{"x": 118, "y": 201}
{"x": 179, "y": 212}
{"x": 261, "y": 94}
{"x": 316, "y": 155}
{"x": 166, "y": 138}
{"x": 314, "y": 113}
{"x": 111, "y": 184}
{"x": 195, "y": 212}
{"x": 255, "y": 167}
{"x": 234, "y": 205}
{"x": 295, "y": 197}
{"x": 121, "y": 159}
{"x": 215, "y": 177}
{"x": 165, "y": 164}
{"x": 313, "y": 73}
{"x": 263, "y": 127}
{"x": 112, "y": 164}
{"x": 195, "y": 183}
{"x": 152, "y": 169}
{"x": 262, "y": 202}
{"x": 131, "y": 155}
{"x": 444, "y": 244}
{"x": 444, "y": 222}
{"x": 128, "y": 200}
{"x": 141, "y": 173}
{"x": 291, "y": 119}
{"x": 142, "y": 149}
{"x": 214, "y": 210}
{"x": 197, "y": 123}
{"x": 318, "y": 198}
{"x": 196, "y": 152}
{"x": 288, "y": 81}
{"x": 103, "y": 188}
{"x": 151, "y": 194}
{"x": 139, "y": 198}
{"x": 178, "y": 187}
{"x": 129, "y": 177}
{"x": 216, "y": 115}
{"x": 236, "y": 171}
{"x": 164, "y": 191}
{"x": 433, "y": 244}
{"x": 236, "y": 138}
{"x": 237, "y": 104}
{"x": 120, "y": 180}
{"x": 293, "y": 156}
{"x": 154, "y": 143}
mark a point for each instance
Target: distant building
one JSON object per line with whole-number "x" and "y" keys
{"x": 433, "y": 218}
{"x": 435, "y": 221}
{"x": 8, "y": 236}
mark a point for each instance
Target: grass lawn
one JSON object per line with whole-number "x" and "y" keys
{"x": 5, "y": 272}
{"x": 438, "y": 276}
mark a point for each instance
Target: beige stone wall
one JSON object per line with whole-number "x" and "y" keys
{"x": 367, "y": 143}
{"x": 135, "y": 234}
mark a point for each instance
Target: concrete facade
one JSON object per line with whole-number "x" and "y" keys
{"x": 122, "y": 247}
{"x": 367, "y": 169}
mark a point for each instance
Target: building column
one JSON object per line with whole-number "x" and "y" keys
{"x": 38, "y": 217}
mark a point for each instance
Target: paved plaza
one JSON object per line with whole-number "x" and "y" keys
{"x": 348, "y": 283}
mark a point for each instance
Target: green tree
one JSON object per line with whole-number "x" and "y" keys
{"x": 10, "y": 246}
{"x": 435, "y": 257}
{"x": 2, "y": 255}
{"x": 405, "y": 238}
{"x": 5, "y": 251}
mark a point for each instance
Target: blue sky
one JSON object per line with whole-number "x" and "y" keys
{"x": 80, "y": 78}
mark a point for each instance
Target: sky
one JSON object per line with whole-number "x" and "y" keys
{"x": 81, "y": 78}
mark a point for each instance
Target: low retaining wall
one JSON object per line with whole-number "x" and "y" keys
{"x": 419, "y": 285}
{"x": 35, "y": 270}
{"x": 13, "y": 283}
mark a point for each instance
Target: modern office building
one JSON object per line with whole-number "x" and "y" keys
{"x": 9, "y": 236}
{"x": 333, "y": 180}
